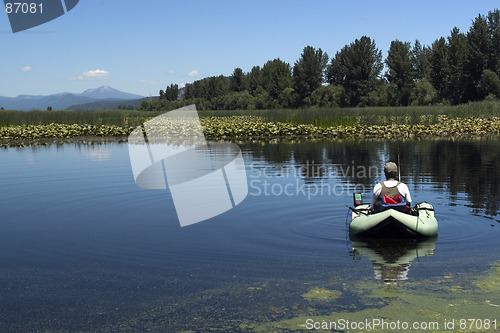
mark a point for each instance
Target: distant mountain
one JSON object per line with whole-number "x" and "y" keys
{"x": 63, "y": 101}
{"x": 106, "y": 92}
{"x": 56, "y": 102}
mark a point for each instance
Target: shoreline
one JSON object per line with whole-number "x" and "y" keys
{"x": 96, "y": 140}
{"x": 81, "y": 140}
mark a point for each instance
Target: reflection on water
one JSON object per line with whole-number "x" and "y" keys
{"x": 392, "y": 258}
{"x": 459, "y": 168}
{"x": 84, "y": 249}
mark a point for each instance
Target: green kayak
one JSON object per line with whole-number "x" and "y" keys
{"x": 419, "y": 222}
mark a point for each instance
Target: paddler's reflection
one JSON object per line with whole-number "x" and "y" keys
{"x": 392, "y": 258}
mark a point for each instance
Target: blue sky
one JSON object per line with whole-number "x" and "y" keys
{"x": 142, "y": 46}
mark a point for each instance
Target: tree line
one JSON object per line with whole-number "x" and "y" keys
{"x": 457, "y": 69}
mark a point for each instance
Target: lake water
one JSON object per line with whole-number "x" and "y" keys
{"x": 83, "y": 248}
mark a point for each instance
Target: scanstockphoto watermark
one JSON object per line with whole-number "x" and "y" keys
{"x": 260, "y": 187}
{"x": 25, "y": 15}
{"x": 308, "y": 180}
{"x": 205, "y": 179}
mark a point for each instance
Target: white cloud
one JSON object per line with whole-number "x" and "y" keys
{"x": 98, "y": 74}
{"x": 27, "y": 69}
{"x": 170, "y": 72}
{"x": 194, "y": 72}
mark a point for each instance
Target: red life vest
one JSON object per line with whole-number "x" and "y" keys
{"x": 390, "y": 197}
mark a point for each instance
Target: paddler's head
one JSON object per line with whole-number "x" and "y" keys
{"x": 391, "y": 170}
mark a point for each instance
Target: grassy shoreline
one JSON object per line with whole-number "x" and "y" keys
{"x": 470, "y": 120}
{"x": 320, "y": 117}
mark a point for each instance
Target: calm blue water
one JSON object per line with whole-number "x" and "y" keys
{"x": 82, "y": 248}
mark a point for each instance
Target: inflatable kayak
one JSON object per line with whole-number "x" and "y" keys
{"x": 418, "y": 222}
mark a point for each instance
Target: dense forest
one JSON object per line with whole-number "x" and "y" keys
{"x": 457, "y": 69}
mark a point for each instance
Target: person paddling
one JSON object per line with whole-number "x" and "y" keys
{"x": 392, "y": 190}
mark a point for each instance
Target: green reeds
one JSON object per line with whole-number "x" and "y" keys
{"x": 411, "y": 115}
{"x": 104, "y": 117}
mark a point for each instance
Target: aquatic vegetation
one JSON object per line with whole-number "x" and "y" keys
{"x": 321, "y": 294}
{"x": 490, "y": 282}
{"x": 240, "y": 127}
{"x": 433, "y": 305}
{"x": 461, "y": 304}
{"x": 62, "y": 131}
{"x": 251, "y": 127}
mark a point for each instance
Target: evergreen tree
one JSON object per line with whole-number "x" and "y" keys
{"x": 478, "y": 41}
{"x": 420, "y": 61}
{"x": 439, "y": 66}
{"x": 217, "y": 86}
{"x": 400, "y": 72}
{"x": 276, "y": 76}
{"x": 188, "y": 91}
{"x": 200, "y": 89}
{"x": 494, "y": 30}
{"x": 254, "y": 79}
{"x": 356, "y": 67}
{"x": 237, "y": 80}
{"x": 308, "y": 72}
{"x": 171, "y": 93}
{"x": 457, "y": 56}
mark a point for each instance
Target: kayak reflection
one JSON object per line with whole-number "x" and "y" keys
{"x": 392, "y": 258}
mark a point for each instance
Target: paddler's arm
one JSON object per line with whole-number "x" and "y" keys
{"x": 376, "y": 192}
